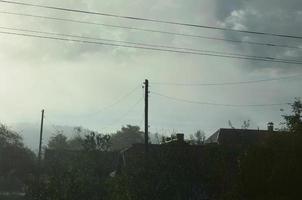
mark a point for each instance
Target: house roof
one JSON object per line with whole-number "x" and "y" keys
{"x": 238, "y": 136}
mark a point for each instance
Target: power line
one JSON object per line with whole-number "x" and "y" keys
{"x": 151, "y": 20}
{"x": 217, "y": 104}
{"x": 116, "y": 121}
{"x": 134, "y": 43}
{"x": 53, "y": 125}
{"x": 126, "y": 113}
{"x": 156, "y": 31}
{"x": 116, "y": 102}
{"x": 119, "y": 119}
{"x": 119, "y": 100}
{"x": 266, "y": 59}
{"x": 226, "y": 83}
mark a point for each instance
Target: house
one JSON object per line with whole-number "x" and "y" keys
{"x": 240, "y": 137}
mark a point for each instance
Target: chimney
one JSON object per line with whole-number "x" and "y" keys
{"x": 180, "y": 137}
{"x": 270, "y": 126}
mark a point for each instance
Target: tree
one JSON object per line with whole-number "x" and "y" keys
{"x": 246, "y": 124}
{"x": 272, "y": 170}
{"x": 126, "y": 137}
{"x": 58, "y": 142}
{"x": 78, "y": 173}
{"x": 96, "y": 142}
{"x": 16, "y": 161}
{"x": 9, "y": 137}
{"x": 76, "y": 143}
{"x": 293, "y": 122}
{"x": 198, "y": 137}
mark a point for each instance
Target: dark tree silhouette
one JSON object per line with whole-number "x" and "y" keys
{"x": 96, "y": 142}
{"x": 293, "y": 122}
{"x": 126, "y": 137}
{"x": 58, "y": 142}
{"x": 198, "y": 137}
{"x": 17, "y": 162}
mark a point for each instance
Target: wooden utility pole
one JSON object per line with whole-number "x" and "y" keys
{"x": 38, "y": 197}
{"x": 146, "y": 83}
{"x": 41, "y": 135}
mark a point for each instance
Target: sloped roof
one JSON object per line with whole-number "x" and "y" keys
{"x": 238, "y": 136}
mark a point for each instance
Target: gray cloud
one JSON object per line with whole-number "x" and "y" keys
{"x": 265, "y": 16}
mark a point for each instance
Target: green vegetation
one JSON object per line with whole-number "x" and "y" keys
{"x": 91, "y": 166}
{"x": 274, "y": 169}
{"x": 17, "y": 164}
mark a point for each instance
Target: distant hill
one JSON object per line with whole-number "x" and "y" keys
{"x": 31, "y": 132}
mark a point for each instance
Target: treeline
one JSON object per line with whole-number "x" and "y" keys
{"x": 84, "y": 139}
{"x": 269, "y": 171}
{"x": 91, "y": 165}
{"x": 17, "y": 163}
{"x": 273, "y": 170}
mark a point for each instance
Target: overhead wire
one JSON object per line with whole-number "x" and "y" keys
{"x": 216, "y": 104}
{"x": 54, "y": 127}
{"x": 267, "y": 44}
{"x": 143, "y": 112}
{"x": 189, "y": 50}
{"x": 150, "y": 20}
{"x": 116, "y": 102}
{"x": 266, "y": 59}
{"x": 134, "y": 43}
{"x": 227, "y": 83}
{"x": 132, "y": 107}
{"x": 111, "y": 105}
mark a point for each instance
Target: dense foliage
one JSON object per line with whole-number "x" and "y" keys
{"x": 175, "y": 171}
{"x": 74, "y": 174}
{"x": 293, "y": 122}
{"x": 127, "y": 136}
{"x": 273, "y": 170}
{"x": 17, "y": 163}
{"x": 92, "y": 166}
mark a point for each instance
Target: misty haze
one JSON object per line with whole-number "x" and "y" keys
{"x": 134, "y": 100}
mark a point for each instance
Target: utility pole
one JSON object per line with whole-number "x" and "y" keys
{"x": 146, "y": 83}
{"x": 39, "y": 156}
{"x": 41, "y": 135}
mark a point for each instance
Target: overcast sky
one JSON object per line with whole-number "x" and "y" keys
{"x": 73, "y": 81}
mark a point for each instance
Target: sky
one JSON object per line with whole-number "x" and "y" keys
{"x": 100, "y": 87}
